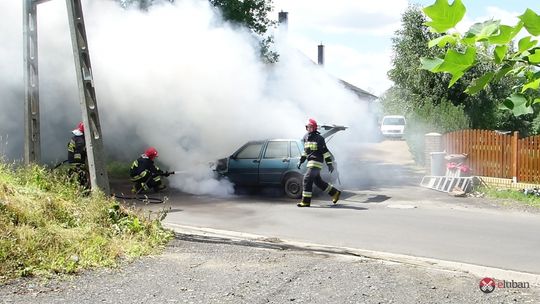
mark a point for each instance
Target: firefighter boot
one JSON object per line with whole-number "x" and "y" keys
{"x": 305, "y": 202}
{"x": 139, "y": 188}
{"x": 136, "y": 188}
{"x": 302, "y": 204}
{"x": 160, "y": 187}
{"x": 335, "y": 197}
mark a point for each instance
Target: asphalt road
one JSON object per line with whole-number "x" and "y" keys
{"x": 382, "y": 209}
{"x": 495, "y": 238}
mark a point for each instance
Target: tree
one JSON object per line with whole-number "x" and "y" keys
{"x": 409, "y": 45}
{"x": 415, "y": 88}
{"x": 493, "y": 40}
{"x": 252, "y": 14}
{"x": 426, "y": 98}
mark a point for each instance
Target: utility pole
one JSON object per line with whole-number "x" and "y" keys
{"x": 87, "y": 98}
{"x": 87, "y": 94}
{"x": 32, "y": 145}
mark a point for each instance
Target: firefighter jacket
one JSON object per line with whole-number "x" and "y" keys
{"x": 144, "y": 168}
{"x": 315, "y": 151}
{"x": 77, "y": 150}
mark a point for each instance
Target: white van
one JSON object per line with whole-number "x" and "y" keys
{"x": 393, "y": 126}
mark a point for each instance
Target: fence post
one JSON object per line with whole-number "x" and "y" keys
{"x": 515, "y": 163}
{"x": 432, "y": 143}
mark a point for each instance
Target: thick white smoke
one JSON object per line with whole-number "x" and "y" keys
{"x": 175, "y": 77}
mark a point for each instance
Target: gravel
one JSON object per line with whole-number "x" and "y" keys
{"x": 212, "y": 270}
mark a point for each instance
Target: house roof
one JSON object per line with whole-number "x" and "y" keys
{"x": 362, "y": 94}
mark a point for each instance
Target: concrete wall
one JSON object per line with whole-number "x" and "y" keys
{"x": 506, "y": 183}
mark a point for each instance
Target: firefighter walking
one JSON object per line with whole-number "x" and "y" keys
{"x": 316, "y": 153}
{"x": 145, "y": 175}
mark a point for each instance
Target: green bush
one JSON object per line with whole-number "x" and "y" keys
{"x": 49, "y": 225}
{"x": 441, "y": 118}
{"x": 117, "y": 169}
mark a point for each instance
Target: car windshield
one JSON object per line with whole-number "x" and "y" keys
{"x": 394, "y": 121}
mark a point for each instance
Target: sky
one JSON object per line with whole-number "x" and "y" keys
{"x": 357, "y": 34}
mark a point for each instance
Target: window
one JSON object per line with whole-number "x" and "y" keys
{"x": 277, "y": 149}
{"x": 394, "y": 121}
{"x": 250, "y": 151}
{"x": 295, "y": 150}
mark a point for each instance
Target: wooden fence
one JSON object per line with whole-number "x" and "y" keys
{"x": 494, "y": 154}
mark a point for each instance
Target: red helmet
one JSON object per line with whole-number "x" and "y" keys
{"x": 151, "y": 153}
{"x": 80, "y": 127}
{"x": 312, "y": 122}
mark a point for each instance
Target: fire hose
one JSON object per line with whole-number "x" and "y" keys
{"x": 143, "y": 198}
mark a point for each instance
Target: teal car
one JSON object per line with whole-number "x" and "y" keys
{"x": 272, "y": 162}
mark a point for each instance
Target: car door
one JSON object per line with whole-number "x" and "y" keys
{"x": 244, "y": 164}
{"x": 275, "y": 162}
{"x": 296, "y": 148}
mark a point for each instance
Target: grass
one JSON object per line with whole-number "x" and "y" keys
{"x": 117, "y": 169}
{"x": 512, "y": 196}
{"x": 48, "y": 225}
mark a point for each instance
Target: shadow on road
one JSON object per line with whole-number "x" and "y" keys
{"x": 377, "y": 199}
{"x": 338, "y": 206}
{"x": 173, "y": 210}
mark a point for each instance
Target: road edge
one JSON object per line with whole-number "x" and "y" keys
{"x": 476, "y": 270}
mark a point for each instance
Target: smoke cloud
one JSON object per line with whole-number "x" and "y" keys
{"x": 176, "y": 77}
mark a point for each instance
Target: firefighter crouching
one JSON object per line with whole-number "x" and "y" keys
{"x": 315, "y": 152}
{"x": 145, "y": 175}
{"x": 77, "y": 156}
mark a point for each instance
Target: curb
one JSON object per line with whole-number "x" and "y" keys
{"x": 272, "y": 242}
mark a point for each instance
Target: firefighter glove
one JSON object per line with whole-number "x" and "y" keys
{"x": 330, "y": 168}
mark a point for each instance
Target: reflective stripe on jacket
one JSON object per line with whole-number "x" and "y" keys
{"x": 77, "y": 150}
{"x": 315, "y": 151}
{"x": 142, "y": 168}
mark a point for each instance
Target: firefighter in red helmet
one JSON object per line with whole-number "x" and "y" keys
{"x": 315, "y": 152}
{"x": 77, "y": 155}
{"x": 145, "y": 174}
{"x": 77, "y": 146}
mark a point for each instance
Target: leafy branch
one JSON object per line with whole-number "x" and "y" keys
{"x": 522, "y": 62}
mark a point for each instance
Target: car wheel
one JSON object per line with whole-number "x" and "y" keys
{"x": 293, "y": 186}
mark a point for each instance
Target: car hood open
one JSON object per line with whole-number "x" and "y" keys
{"x": 329, "y": 130}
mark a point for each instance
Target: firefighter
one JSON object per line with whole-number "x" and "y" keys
{"x": 77, "y": 156}
{"x": 145, "y": 174}
{"x": 315, "y": 152}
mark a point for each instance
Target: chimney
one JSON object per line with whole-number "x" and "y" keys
{"x": 320, "y": 55}
{"x": 283, "y": 19}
